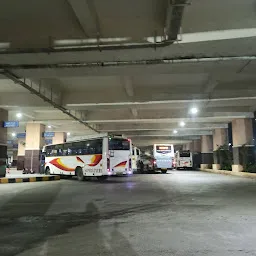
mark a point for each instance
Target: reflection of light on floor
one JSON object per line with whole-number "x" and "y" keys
{"x": 130, "y": 184}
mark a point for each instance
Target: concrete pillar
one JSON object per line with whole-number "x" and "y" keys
{"x": 206, "y": 151}
{"x": 3, "y": 141}
{"x": 34, "y": 144}
{"x": 59, "y": 137}
{"x": 242, "y": 133}
{"x": 14, "y": 157}
{"x": 21, "y": 154}
{"x": 197, "y": 146}
{"x": 220, "y": 138}
{"x": 197, "y": 153}
{"x": 190, "y": 146}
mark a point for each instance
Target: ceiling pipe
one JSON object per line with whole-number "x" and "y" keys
{"x": 172, "y": 27}
{"x": 181, "y": 60}
{"x": 17, "y": 80}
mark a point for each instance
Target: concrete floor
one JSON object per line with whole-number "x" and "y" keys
{"x": 180, "y": 213}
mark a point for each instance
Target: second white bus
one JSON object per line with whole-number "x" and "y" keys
{"x": 94, "y": 157}
{"x": 164, "y": 156}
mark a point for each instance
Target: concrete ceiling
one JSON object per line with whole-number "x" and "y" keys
{"x": 141, "y": 92}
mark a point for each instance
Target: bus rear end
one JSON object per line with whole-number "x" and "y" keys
{"x": 120, "y": 162}
{"x": 184, "y": 160}
{"x": 164, "y": 155}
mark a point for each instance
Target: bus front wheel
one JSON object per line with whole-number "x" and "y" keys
{"x": 79, "y": 174}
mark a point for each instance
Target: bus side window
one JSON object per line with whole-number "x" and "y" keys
{"x": 48, "y": 150}
{"x": 98, "y": 146}
{"x": 59, "y": 150}
{"x": 54, "y": 151}
{"x": 67, "y": 149}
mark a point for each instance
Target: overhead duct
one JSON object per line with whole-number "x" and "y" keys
{"x": 174, "y": 15}
{"x": 17, "y": 80}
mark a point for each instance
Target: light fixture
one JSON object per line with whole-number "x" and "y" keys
{"x": 229, "y": 144}
{"x": 182, "y": 124}
{"x": 68, "y": 133}
{"x": 193, "y": 110}
{"x": 175, "y": 131}
{"x": 49, "y": 126}
{"x": 19, "y": 115}
{"x": 13, "y": 134}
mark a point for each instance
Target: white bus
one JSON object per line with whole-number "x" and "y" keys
{"x": 92, "y": 157}
{"x": 164, "y": 156}
{"x": 183, "y": 159}
{"x": 135, "y": 158}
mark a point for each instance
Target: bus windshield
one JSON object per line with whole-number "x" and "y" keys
{"x": 119, "y": 144}
{"x": 184, "y": 154}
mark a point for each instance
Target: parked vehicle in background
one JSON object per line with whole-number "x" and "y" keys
{"x": 149, "y": 163}
{"x": 164, "y": 155}
{"x": 135, "y": 158}
{"x": 183, "y": 159}
{"x": 99, "y": 157}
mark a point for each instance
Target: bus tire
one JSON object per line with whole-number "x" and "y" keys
{"x": 164, "y": 171}
{"x": 47, "y": 171}
{"x": 79, "y": 174}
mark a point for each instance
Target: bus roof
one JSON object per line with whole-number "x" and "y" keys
{"x": 85, "y": 138}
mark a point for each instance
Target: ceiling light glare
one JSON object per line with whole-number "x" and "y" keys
{"x": 19, "y": 115}
{"x": 68, "y": 133}
{"x": 194, "y": 111}
{"x": 49, "y": 126}
{"x": 182, "y": 124}
{"x": 13, "y": 134}
{"x": 175, "y": 131}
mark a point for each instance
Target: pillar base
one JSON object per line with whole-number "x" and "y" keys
{"x": 32, "y": 160}
{"x": 207, "y": 158}
{"x": 216, "y": 167}
{"x": 204, "y": 166}
{"x": 237, "y": 168}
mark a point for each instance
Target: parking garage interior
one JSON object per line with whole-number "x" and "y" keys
{"x": 175, "y": 72}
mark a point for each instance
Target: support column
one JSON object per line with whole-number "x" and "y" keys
{"x": 34, "y": 144}
{"x": 14, "y": 157}
{"x": 190, "y": 146}
{"x": 197, "y": 146}
{"x": 242, "y": 143}
{"x": 207, "y": 151}
{"x": 197, "y": 158}
{"x": 219, "y": 139}
{"x": 3, "y": 142}
{"x": 21, "y": 154}
{"x": 59, "y": 137}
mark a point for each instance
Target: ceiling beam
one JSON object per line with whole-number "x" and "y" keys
{"x": 159, "y": 126}
{"x": 168, "y": 133}
{"x": 87, "y": 17}
{"x": 77, "y": 100}
{"x": 44, "y": 97}
{"x": 175, "y": 120}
